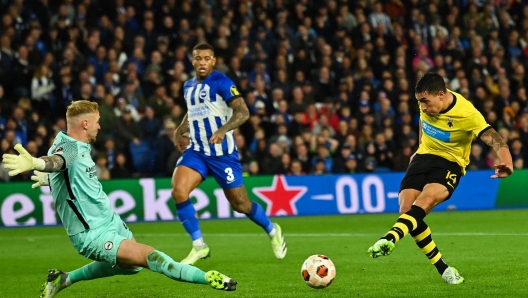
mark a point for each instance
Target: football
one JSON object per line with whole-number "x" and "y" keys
{"x": 318, "y": 271}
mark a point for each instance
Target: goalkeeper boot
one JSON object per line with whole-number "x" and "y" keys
{"x": 382, "y": 247}
{"x": 197, "y": 254}
{"x": 54, "y": 284}
{"x": 278, "y": 243}
{"x": 452, "y": 277}
{"x": 219, "y": 281}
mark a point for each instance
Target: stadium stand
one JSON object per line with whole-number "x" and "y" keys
{"x": 330, "y": 84}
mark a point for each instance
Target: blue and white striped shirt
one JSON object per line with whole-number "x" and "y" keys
{"x": 208, "y": 109}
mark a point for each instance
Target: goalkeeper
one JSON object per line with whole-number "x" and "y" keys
{"x": 95, "y": 230}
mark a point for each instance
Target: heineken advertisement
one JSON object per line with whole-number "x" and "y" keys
{"x": 149, "y": 199}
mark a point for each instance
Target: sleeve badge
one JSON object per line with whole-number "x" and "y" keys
{"x": 234, "y": 91}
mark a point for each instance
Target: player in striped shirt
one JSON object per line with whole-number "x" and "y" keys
{"x": 205, "y": 137}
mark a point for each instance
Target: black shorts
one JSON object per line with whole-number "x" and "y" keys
{"x": 428, "y": 168}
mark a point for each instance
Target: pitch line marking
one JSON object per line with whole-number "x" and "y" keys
{"x": 30, "y": 238}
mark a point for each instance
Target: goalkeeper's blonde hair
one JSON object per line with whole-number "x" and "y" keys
{"x": 81, "y": 107}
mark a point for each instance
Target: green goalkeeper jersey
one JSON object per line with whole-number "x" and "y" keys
{"x": 77, "y": 193}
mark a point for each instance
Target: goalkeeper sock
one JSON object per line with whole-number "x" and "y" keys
{"x": 422, "y": 237}
{"x": 96, "y": 270}
{"x": 258, "y": 216}
{"x": 162, "y": 263}
{"x": 406, "y": 222}
{"x": 187, "y": 215}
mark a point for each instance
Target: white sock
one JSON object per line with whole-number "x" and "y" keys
{"x": 273, "y": 232}
{"x": 198, "y": 244}
{"x": 67, "y": 282}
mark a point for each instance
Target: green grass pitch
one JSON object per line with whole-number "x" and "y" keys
{"x": 487, "y": 247}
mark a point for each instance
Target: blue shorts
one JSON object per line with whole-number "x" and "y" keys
{"x": 101, "y": 244}
{"x": 226, "y": 169}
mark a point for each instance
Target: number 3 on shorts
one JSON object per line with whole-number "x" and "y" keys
{"x": 229, "y": 173}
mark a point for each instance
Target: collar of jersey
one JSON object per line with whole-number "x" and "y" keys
{"x": 451, "y": 106}
{"x": 66, "y": 136}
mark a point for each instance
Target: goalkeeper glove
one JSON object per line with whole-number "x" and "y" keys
{"x": 23, "y": 162}
{"x": 41, "y": 179}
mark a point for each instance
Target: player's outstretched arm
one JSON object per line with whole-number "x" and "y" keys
{"x": 53, "y": 163}
{"x": 494, "y": 140}
{"x": 25, "y": 162}
{"x": 240, "y": 115}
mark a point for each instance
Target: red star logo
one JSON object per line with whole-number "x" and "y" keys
{"x": 280, "y": 197}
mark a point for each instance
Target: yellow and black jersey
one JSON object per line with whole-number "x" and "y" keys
{"x": 450, "y": 133}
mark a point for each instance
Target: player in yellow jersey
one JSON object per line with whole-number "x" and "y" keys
{"x": 448, "y": 124}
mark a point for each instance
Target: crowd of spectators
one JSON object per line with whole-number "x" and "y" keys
{"x": 330, "y": 84}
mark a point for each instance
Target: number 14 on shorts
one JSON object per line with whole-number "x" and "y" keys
{"x": 452, "y": 177}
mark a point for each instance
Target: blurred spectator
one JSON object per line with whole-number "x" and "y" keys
{"x": 234, "y": 71}
{"x": 403, "y": 158}
{"x": 351, "y": 164}
{"x": 322, "y": 154}
{"x": 42, "y": 87}
{"x": 122, "y": 105}
{"x": 319, "y": 167}
{"x": 298, "y": 125}
{"x": 285, "y": 163}
{"x": 119, "y": 170}
{"x": 321, "y": 124}
{"x": 308, "y": 92}
{"x": 63, "y": 95}
{"x": 378, "y": 19}
{"x": 86, "y": 92}
{"x": 158, "y": 101}
{"x": 340, "y": 162}
{"x": 22, "y": 73}
{"x": 19, "y": 125}
{"x": 245, "y": 155}
{"x": 167, "y": 155}
{"x": 133, "y": 96}
{"x": 303, "y": 156}
{"x": 518, "y": 163}
{"x": 384, "y": 112}
{"x": 383, "y": 154}
{"x": 108, "y": 116}
{"x": 150, "y": 126}
{"x": 281, "y": 136}
{"x": 476, "y": 162}
{"x": 423, "y": 61}
{"x": 282, "y": 83}
{"x": 272, "y": 163}
{"x": 296, "y": 168}
{"x": 110, "y": 151}
{"x": 253, "y": 168}
{"x": 259, "y": 71}
{"x": 101, "y": 162}
{"x": 298, "y": 104}
{"x": 277, "y": 96}
{"x": 517, "y": 149}
{"x": 99, "y": 62}
{"x": 127, "y": 131}
{"x": 324, "y": 86}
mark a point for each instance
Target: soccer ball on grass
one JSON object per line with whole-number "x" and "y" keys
{"x": 318, "y": 271}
